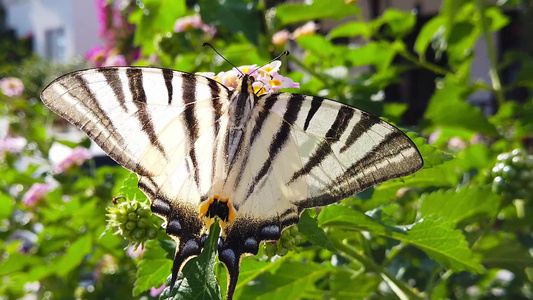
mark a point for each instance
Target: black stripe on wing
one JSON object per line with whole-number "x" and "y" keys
{"x": 191, "y": 121}
{"x": 294, "y": 104}
{"x": 113, "y": 79}
{"x": 333, "y": 135}
{"x": 135, "y": 78}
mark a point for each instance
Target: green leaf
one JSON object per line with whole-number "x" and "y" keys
{"x": 350, "y": 29}
{"x": 130, "y": 190}
{"x": 308, "y": 226}
{"x": 436, "y": 238}
{"x": 393, "y": 111}
{"x": 290, "y": 281}
{"x": 399, "y": 23}
{"x": 456, "y": 206}
{"x": 238, "y": 16}
{"x": 251, "y": 268}
{"x": 500, "y": 252}
{"x": 440, "y": 241}
{"x": 74, "y": 255}
{"x": 378, "y": 54}
{"x": 197, "y": 279}
{"x": 17, "y": 262}
{"x": 152, "y": 269}
{"x": 6, "y": 206}
{"x": 431, "y": 155}
{"x": 497, "y": 20}
{"x": 318, "y": 9}
{"x": 346, "y": 285}
{"x": 448, "y": 107}
{"x": 427, "y": 34}
{"x": 157, "y": 17}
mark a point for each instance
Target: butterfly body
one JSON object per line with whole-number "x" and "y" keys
{"x": 202, "y": 151}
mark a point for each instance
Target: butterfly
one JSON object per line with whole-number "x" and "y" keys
{"x": 202, "y": 151}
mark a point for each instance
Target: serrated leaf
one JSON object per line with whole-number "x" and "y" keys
{"x": 346, "y": 285}
{"x": 290, "y": 281}
{"x": 431, "y": 155}
{"x": 440, "y": 241}
{"x": 152, "y": 269}
{"x": 308, "y": 226}
{"x": 197, "y": 279}
{"x": 130, "y": 190}
{"x": 436, "y": 238}
{"x": 456, "y": 206}
{"x": 318, "y": 9}
{"x": 499, "y": 252}
{"x": 74, "y": 255}
{"x": 350, "y": 29}
{"x": 448, "y": 107}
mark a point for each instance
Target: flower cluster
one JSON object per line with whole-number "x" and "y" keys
{"x": 283, "y": 36}
{"x": 75, "y": 158}
{"x": 133, "y": 220}
{"x": 12, "y": 144}
{"x": 267, "y": 78}
{"x": 105, "y": 57}
{"x": 36, "y": 192}
{"x": 194, "y": 21}
{"x": 11, "y": 86}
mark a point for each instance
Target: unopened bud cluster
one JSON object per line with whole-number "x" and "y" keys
{"x": 513, "y": 175}
{"x": 290, "y": 238}
{"x": 133, "y": 220}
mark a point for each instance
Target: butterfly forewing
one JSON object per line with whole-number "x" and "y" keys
{"x": 184, "y": 136}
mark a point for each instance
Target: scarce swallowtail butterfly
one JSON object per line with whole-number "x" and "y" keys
{"x": 203, "y": 151}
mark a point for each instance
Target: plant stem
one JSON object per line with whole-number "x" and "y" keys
{"x": 493, "y": 72}
{"x": 399, "y": 287}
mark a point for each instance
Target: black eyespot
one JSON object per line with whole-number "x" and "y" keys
{"x": 160, "y": 207}
{"x": 174, "y": 227}
{"x": 191, "y": 248}
{"x": 270, "y": 232}
{"x": 203, "y": 238}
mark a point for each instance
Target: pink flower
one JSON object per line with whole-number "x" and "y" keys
{"x": 11, "y": 86}
{"x": 115, "y": 60}
{"x": 306, "y": 29}
{"x": 194, "y": 21}
{"x": 456, "y": 143}
{"x": 281, "y": 37}
{"x": 75, "y": 158}
{"x": 12, "y": 144}
{"x": 97, "y": 56}
{"x": 155, "y": 292}
{"x": 36, "y": 192}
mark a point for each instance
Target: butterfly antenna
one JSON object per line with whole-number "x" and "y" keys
{"x": 229, "y": 62}
{"x": 275, "y": 58}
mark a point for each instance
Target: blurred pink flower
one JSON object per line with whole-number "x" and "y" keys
{"x": 155, "y": 292}
{"x": 194, "y": 21}
{"x": 36, "y": 192}
{"x": 306, "y": 29}
{"x": 115, "y": 60}
{"x": 281, "y": 37}
{"x": 434, "y": 136}
{"x": 11, "y": 86}
{"x": 97, "y": 56}
{"x": 12, "y": 144}
{"x": 75, "y": 158}
{"x": 267, "y": 79}
{"x": 456, "y": 143}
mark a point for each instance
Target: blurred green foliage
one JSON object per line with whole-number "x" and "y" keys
{"x": 444, "y": 232}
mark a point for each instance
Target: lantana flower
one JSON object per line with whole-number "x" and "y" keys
{"x": 154, "y": 292}
{"x": 75, "y": 158}
{"x": 12, "y": 144}
{"x": 194, "y": 21}
{"x": 11, "y": 86}
{"x": 281, "y": 37}
{"x": 36, "y": 192}
{"x": 308, "y": 28}
{"x": 267, "y": 79}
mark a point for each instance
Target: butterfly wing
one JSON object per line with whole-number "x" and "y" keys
{"x": 306, "y": 151}
{"x": 161, "y": 124}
